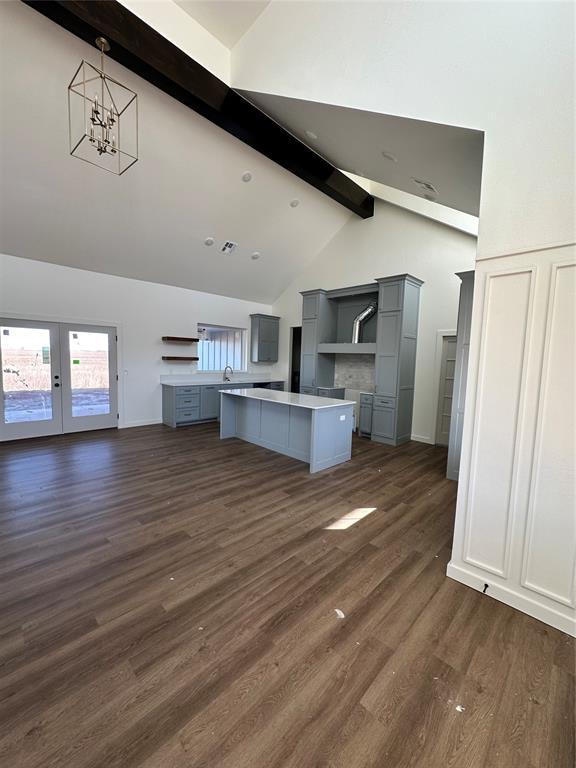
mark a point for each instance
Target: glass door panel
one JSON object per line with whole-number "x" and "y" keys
{"x": 89, "y": 373}
{"x": 89, "y": 367}
{"x": 30, "y": 393}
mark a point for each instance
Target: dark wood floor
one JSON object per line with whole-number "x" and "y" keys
{"x": 169, "y": 600}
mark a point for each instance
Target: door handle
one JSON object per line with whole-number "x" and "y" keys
{"x": 56, "y": 385}
{"x": 56, "y": 377}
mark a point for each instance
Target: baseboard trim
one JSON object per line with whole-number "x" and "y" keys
{"x": 139, "y": 423}
{"x": 422, "y": 439}
{"x": 515, "y": 600}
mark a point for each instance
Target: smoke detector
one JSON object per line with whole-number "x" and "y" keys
{"x": 229, "y": 247}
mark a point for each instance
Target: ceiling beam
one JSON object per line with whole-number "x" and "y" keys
{"x": 146, "y": 52}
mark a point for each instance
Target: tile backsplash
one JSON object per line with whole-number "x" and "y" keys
{"x": 354, "y": 372}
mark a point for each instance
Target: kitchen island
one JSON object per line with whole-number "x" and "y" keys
{"x": 317, "y": 430}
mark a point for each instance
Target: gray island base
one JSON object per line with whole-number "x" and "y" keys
{"x": 317, "y": 430}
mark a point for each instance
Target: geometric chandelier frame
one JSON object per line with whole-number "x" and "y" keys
{"x": 102, "y": 117}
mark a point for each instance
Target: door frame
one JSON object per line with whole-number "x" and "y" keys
{"x": 120, "y": 358}
{"x": 72, "y": 320}
{"x": 440, "y": 334}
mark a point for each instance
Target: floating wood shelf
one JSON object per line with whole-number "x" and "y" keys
{"x": 179, "y": 339}
{"x": 175, "y": 358}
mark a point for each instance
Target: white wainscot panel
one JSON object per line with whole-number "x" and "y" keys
{"x": 550, "y": 549}
{"x": 506, "y": 320}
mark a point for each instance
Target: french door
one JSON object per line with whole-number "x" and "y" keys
{"x": 56, "y": 378}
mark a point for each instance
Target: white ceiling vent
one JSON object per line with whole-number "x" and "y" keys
{"x": 229, "y": 247}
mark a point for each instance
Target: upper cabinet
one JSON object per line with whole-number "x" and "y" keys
{"x": 264, "y": 332}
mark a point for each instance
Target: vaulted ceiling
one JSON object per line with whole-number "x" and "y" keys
{"x": 150, "y": 223}
{"x": 227, "y": 20}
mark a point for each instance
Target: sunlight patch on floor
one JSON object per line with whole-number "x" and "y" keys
{"x": 350, "y": 518}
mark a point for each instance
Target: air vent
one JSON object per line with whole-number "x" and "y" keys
{"x": 229, "y": 247}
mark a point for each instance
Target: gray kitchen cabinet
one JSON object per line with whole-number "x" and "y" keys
{"x": 180, "y": 405}
{"x": 365, "y": 418}
{"x": 335, "y": 392}
{"x": 318, "y": 318}
{"x": 395, "y": 364}
{"x": 186, "y": 405}
{"x": 210, "y": 401}
{"x": 390, "y": 334}
{"x": 383, "y": 423}
{"x": 307, "y": 390}
{"x": 310, "y": 304}
{"x": 308, "y": 371}
{"x": 264, "y": 333}
{"x": 460, "y": 373}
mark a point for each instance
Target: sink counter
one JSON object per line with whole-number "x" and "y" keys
{"x": 201, "y": 381}
{"x": 317, "y": 430}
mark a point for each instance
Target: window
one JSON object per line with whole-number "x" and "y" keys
{"x": 220, "y": 346}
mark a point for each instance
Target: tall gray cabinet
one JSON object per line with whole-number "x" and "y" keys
{"x": 317, "y": 324}
{"x": 395, "y": 364}
{"x": 460, "y": 373}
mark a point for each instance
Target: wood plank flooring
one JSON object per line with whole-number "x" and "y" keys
{"x": 168, "y": 600}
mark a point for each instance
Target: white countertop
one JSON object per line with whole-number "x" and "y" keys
{"x": 289, "y": 398}
{"x": 199, "y": 381}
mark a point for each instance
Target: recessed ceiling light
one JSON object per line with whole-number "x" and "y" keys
{"x": 426, "y": 186}
{"x": 390, "y": 156}
{"x": 294, "y": 203}
{"x": 209, "y": 241}
{"x": 311, "y": 135}
{"x": 256, "y": 255}
{"x": 247, "y": 176}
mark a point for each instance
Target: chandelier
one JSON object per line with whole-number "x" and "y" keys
{"x": 103, "y": 117}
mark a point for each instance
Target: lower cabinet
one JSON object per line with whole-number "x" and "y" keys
{"x": 334, "y": 392}
{"x": 383, "y": 424}
{"x": 190, "y": 404}
{"x": 210, "y": 401}
{"x": 365, "y": 419}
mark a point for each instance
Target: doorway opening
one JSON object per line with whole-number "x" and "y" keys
{"x": 295, "y": 348}
{"x": 445, "y": 390}
{"x": 56, "y": 378}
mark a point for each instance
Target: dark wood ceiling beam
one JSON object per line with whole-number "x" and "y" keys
{"x": 146, "y": 52}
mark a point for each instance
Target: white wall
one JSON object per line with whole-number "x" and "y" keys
{"x": 503, "y": 67}
{"x": 143, "y": 313}
{"x": 393, "y": 242}
{"x": 185, "y": 32}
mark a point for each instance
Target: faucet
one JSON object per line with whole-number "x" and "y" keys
{"x": 224, "y": 376}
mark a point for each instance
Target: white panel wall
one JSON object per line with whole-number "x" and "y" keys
{"x": 143, "y": 313}
{"x": 516, "y": 513}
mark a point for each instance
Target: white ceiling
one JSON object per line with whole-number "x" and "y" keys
{"x": 448, "y": 157}
{"x": 151, "y": 222}
{"x": 227, "y": 20}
